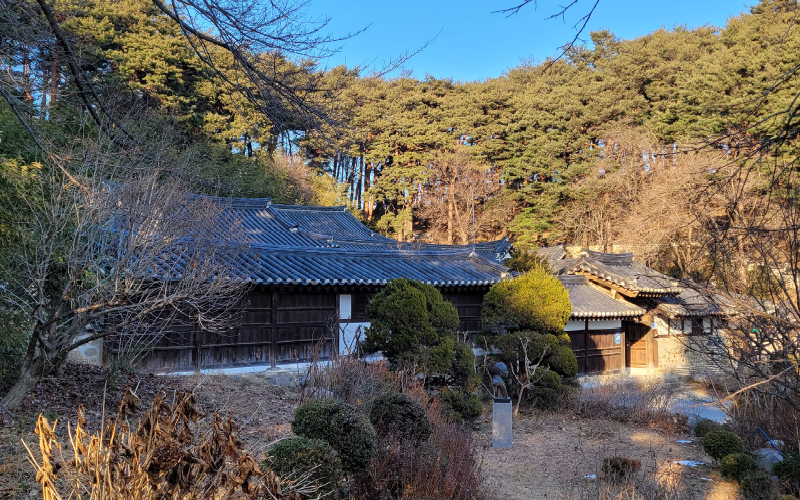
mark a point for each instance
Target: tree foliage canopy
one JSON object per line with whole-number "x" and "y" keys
{"x": 535, "y": 300}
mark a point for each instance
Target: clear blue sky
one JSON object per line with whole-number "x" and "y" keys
{"x": 472, "y": 43}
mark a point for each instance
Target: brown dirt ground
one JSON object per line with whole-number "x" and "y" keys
{"x": 551, "y": 454}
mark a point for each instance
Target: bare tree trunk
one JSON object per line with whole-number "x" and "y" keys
{"x": 450, "y": 216}
{"x": 55, "y": 75}
{"x": 30, "y": 372}
{"x": 27, "y": 380}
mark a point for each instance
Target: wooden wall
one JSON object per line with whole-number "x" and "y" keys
{"x": 279, "y": 325}
{"x": 468, "y": 302}
{"x": 276, "y": 326}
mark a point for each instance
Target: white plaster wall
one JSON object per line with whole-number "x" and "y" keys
{"x": 580, "y": 325}
{"x": 605, "y": 324}
{"x": 349, "y": 333}
{"x": 572, "y": 326}
{"x": 345, "y": 306}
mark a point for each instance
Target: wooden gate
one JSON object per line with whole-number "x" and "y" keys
{"x": 598, "y": 351}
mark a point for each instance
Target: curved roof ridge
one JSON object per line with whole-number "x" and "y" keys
{"x": 310, "y": 208}
{"x": 612, "y": 259}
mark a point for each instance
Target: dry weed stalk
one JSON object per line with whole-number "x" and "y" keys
{"x": 626, "y": 400}
{"x": 170, "y": 453}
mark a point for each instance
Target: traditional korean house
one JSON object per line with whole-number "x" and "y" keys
{"x": 649, "y": 315}
{"x": 312, "y": 271}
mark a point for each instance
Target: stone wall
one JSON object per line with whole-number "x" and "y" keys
{"x": 684, "y": 354}
{"x": 89, "y": 353}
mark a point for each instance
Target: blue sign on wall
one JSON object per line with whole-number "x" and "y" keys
{"x": 618, "y": 338}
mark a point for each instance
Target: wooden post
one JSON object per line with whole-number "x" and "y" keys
{"x": 197, "y": 351}
{"x": 273, "y": 352}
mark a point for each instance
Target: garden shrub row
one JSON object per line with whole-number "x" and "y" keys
{"x": 726, "y": 448}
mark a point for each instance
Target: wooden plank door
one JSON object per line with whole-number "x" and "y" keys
{"x": 636, "y": 351}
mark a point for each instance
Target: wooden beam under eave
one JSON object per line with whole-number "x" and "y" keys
{"x": 612, "y": 286}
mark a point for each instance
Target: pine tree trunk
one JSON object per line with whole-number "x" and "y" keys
{"x": 450, "y": 215}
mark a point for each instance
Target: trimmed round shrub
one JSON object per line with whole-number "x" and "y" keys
{"x": 756, "y": 485}
{"x": 557, "y": 364}
{"x": 719, "y": 444}
{"x": 549, "y": 379}
{"x": 704, "y": 426}
{"x": 736, "y": 465}
{"x": 543, "y": 398}
{"x": 563, "y": 361}
{"x": 339, "y": 424}
{"x": 407, "y": 318}
{"x": 535, "y": 300}
{"x": 400, "y": 415}
{"x": 460, "y": 406}
{"x": 616, "y": 469}
{"x": 299, "y": 455}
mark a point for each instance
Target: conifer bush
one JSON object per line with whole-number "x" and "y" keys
{"x": 400, "y": 415}
{"x": 719, "y": 444}
{"x": 535, "y": 301}
{"x": 553, "y": 364}
{"x": 411, "y": 324}
{"x": 341, "y": 426}
{"x": 299, "y": 456}
{"x": 460, "y": 406}
{"x": 788, "y": 472}
{"x": 756, "y": 485}
{"x": 736, "y": 465}
{"x": 704, "y": 426}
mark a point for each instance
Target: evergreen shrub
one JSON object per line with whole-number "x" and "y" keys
{"x": 788, "y": 472}
{"x": 460, "y": 406}
{"x": 412, "y": 324}
{"x": 299, "y": 455}
{"x": 557, "y": 363}
{"x": 756, "y": 485}
{"x": 736, "y": 465}
{"x": 400, "y": 415}
{"x": 719, "y": 444}
{"x": 535, "y": 300}
{"x": 341, "y": 426}
{"x": 704, "y": 426}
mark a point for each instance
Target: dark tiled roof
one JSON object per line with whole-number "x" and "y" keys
{"x": 287, "y": 244}
{"x": 494, "y": 250}
{"x": 554, "y": 253}
{"x": 591, "y": 303}
{"x": 337, "y": 266}
{"x": 335, "y": 222}
{"x": 621, "y": 270}
{"x": 691, "y": 302}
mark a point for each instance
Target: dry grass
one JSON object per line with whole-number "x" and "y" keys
{"x": 261, "y": 411}
{"x": 630, "y": 400}
{"x": 173, "y": 451}
{"x": 448, "y": 467}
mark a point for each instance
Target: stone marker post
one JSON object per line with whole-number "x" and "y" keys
{"x": 501, "y": 423}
